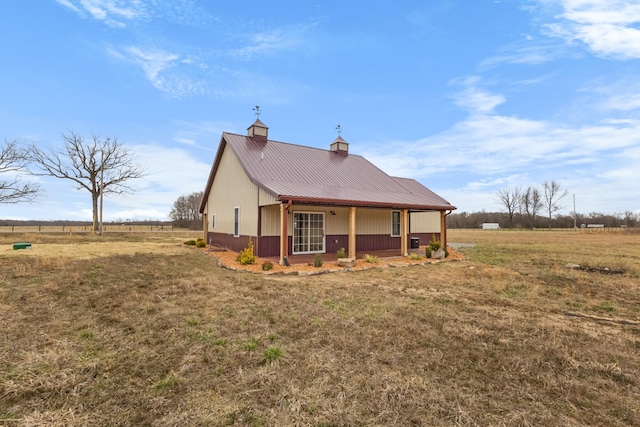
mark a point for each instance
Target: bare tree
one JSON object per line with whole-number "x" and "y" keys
{"x": 511, "y": 199}
{"x": 531, "y": 204}
{"x": 94, "y": 165}
{"x": 186, "y": 211}
{"x": 13, "y": 161}
{"x": 553, "y": 193}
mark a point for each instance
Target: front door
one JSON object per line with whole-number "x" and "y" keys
{"x": 308, "y": 232}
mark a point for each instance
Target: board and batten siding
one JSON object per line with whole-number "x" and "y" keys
{"x": 425, "y": 222}
{"x": 232, "y": 188}
{"x": 369, "y": 221}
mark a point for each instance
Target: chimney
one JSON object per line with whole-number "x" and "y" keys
{"x": 258, "y": 131}
{"x": 340, "y": 146}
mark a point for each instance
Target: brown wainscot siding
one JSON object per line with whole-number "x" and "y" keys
{"x": 425, "y": 238}
{"x": 232, "y": 243}
{"x": 268, "y": 246}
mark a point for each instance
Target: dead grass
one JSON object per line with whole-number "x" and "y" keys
{"x": 160, "y": 335}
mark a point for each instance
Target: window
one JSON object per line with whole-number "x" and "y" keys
{"x": 236, "y": 221}
{"x": 395, "y": 223}
{"x": 213, "y": 221}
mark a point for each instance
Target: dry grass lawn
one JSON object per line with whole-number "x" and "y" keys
{"x": 138, "y": 329}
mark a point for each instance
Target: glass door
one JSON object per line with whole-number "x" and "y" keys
{"x": 308, "y": 232}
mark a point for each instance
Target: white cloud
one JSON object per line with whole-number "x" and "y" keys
{"x": 606, "y": 27}
{"x": 477, "y": 100}
{"x": 528, "y": 51}
{"x": 273, "y": 41}
{"x": 111, "y": 12}
{"x": 152, "y": 61}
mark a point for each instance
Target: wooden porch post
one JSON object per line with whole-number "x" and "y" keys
{"x": 352, "y": 232}
{"x": 404, "y": 232}
{"x": 443, "y": 230}
{"x": 205, "y": 225}
{"x": 283, "y": 233}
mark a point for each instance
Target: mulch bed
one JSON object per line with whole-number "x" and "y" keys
{"x": 227, "y": 259}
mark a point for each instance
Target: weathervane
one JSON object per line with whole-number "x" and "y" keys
{"x": 338, "y": 129}
{"x": 257, "y": 110}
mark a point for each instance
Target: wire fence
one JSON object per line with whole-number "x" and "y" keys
{"x": 87, "y": 228}
{"x": 579, "y": 229}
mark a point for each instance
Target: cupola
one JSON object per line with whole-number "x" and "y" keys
{"x": 340, "y": 146}
{"x": 258, "y": 131}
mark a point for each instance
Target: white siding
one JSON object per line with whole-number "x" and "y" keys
{"x": 231, "y": 187}
{"x": 425, "y": 222}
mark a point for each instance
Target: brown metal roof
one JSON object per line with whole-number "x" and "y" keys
{"x": 312, "y": 175}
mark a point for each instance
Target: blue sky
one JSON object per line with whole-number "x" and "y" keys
{"x": 466, "y": 96}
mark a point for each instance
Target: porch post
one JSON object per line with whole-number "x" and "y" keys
{"x": 443, "y": 230}
{"x": 283, "y": 233}
{"x": 205, "y": 225}
{"x": 404, "y": 232}
{"x": 352, "y": 232}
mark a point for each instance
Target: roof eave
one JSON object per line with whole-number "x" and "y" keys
{"x": 360, "y": 203}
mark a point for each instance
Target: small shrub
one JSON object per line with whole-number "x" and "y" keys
{"x": 341, "y": 253}
{"x": 428, "y": 251}
{"x": 200, "y": 243}
{"x": 371, "y": 258}
{"x": 267, "y": 265}
{"x": 434, "y": 244}
{"x": 191, "y": 242}
{"x": 317, "y": 261}
{"x": 415, "y": 256}
{"x": 246, "y": 255}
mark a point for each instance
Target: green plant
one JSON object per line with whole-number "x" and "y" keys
{"x": 434, "y": 244}
{"x": 272, "y": 354}
{"x": 86, "y": 334}
{"x": 246, "y": 255}
{"x": 200, "y": 243}
{"x": 169, "y": 381}
{"x": 251, "y": 344}
{"x": 371, "y": 258}
{"x": 317, "y": 261}
{"x": 191, "y": 242}
{"x": 222, "y": 342}
{"x": 267, "y": 265}
{"x": 428, "y": 252}
{"x": 415, "y": 256}
{"x": 341, "y": 253}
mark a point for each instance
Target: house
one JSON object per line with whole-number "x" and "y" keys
{"x": 291, "y": 199}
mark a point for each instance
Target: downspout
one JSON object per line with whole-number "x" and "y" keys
{"x": 444, "y": 239}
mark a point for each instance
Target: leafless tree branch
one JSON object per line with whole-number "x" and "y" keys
{"x": 91, "y": 164}
{"x": 13, "y": 160}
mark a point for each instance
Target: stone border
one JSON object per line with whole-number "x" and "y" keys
{"x": 336, "y": 270}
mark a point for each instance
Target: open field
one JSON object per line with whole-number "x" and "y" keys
{"x": 137, "y": 329}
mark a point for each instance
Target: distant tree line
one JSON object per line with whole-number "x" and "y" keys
{"x": 185, "y": 212}
{"x": 520, "y": 220}
{"x": 523, "y": 206}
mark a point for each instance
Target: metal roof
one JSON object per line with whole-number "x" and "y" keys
{"x": 312, "y": 175}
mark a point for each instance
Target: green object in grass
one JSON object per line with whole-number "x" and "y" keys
{"x": 23, "y": 245}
